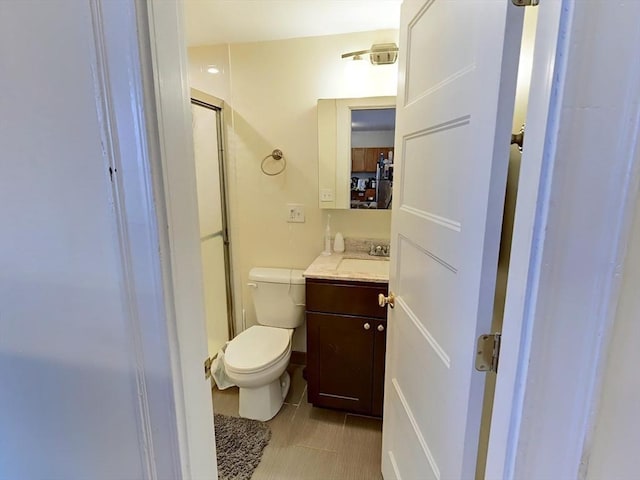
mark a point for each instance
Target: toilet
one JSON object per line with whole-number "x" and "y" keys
{"x": 256, "y": 360}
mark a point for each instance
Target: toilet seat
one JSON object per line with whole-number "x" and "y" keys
{"x": 257, "y": 348}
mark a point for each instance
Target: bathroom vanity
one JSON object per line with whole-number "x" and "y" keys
{"x": 346, "y": 333}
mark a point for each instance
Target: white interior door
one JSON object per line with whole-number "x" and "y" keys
{"x": 458, "y": 66}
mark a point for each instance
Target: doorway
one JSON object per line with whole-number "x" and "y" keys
{"x": 551, "y": 66}
{"x": 256, "y": 136}
{"x": 255, "y": 133}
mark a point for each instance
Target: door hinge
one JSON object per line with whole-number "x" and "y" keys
{"x": 207, "y": 368}
{"x": 488, "y": 352}
{"x": 526, "y": 3}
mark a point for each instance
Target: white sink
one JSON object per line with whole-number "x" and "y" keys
{"x": 363, "y": 265}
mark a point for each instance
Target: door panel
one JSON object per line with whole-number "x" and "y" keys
{"x": 422, "y": 299}
{"x": 426, "y": 389}
{"x": 442, "y": 32}
{"x": 443, "y": 196}
{"x": 407, "y": 455}
{"x": 458, "y": 66}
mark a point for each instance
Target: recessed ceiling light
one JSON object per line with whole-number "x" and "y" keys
{"x": 213, "y": 69}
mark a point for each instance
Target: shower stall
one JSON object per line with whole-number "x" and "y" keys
{"x": 212, "y": 212}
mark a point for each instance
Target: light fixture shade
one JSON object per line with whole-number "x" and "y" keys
{"x": 379, "y": 54}
{"x": 383, "y": 54}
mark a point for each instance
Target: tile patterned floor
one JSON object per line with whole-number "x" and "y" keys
{"x": 313, "y": 443}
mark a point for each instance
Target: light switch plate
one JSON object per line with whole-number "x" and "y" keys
{"x": 295, "y": 213}
{"x": 326, "y": 195}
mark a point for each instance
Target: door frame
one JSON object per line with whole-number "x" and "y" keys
{"x": 170, "y": 135}
{"x": 538, "y": 227}
{"x": 526, "y": 237}
{"x": 554, "y": 349}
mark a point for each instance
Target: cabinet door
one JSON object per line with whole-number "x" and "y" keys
{"x": 379, "y": 350}
{"x": 371, "y": 159}
{"x": 358, "y": 159}
{"x": 339, "y": 366}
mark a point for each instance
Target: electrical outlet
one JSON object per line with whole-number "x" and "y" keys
{"x": 326, "y": 195}
{"x": 295, "y": 213}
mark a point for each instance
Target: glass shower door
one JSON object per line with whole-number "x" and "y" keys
{"x": 215, "y": 269}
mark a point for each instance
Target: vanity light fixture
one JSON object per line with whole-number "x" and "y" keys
{"x": 379, "y": 54}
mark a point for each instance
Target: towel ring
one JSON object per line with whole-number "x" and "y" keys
{"x": 276, "y": 155}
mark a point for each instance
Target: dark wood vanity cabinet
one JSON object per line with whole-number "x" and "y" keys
{"x": 346, "y": 337}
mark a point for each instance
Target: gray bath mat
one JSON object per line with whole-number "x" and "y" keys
{"x": 239, "y": 446}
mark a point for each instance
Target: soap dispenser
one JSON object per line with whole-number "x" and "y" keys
{"x": 338, "y": 243}
{"x": 327, "y": 238}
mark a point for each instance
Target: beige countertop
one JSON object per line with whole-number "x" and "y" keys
{"x": 328, "y": 267}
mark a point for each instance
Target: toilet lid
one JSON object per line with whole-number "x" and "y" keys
{"x": 257, "y": 348}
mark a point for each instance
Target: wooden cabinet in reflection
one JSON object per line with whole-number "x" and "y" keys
{"x": 365, "y": 159}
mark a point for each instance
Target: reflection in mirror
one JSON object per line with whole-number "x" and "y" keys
{"x": 372, "y": 134}
{"x": 352, "y": 135}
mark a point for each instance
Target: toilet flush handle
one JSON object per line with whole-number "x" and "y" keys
{"x": 251, "y": 284}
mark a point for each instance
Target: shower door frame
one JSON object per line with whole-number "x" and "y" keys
{"x": 215, "y": 104}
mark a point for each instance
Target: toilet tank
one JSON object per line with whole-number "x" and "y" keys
{"x": 278, "y": 296}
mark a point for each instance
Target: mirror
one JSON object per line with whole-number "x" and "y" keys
{"x": 355, "y": 152}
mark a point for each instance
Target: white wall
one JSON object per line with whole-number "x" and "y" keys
{"x": 379, "y": 138}
{"x": 616, "y": 439}
{"x": 72, "y": 396}
{"x": 271, "y": 89}
{"x": 200, "y": 58}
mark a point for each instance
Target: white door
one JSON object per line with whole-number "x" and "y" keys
{"x": 458, "y": 66}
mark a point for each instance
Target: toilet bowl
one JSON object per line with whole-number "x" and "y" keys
{"x": 256, "y": 360}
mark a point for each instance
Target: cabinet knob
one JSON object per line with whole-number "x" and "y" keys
{"x": 382, "y": 300}
{"x": 381, "y": 328}
{"x": 367, "y": 326}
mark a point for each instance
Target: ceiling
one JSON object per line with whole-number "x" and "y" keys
{"x": 211, "y": 22}
{"x": 374, "y": 119}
